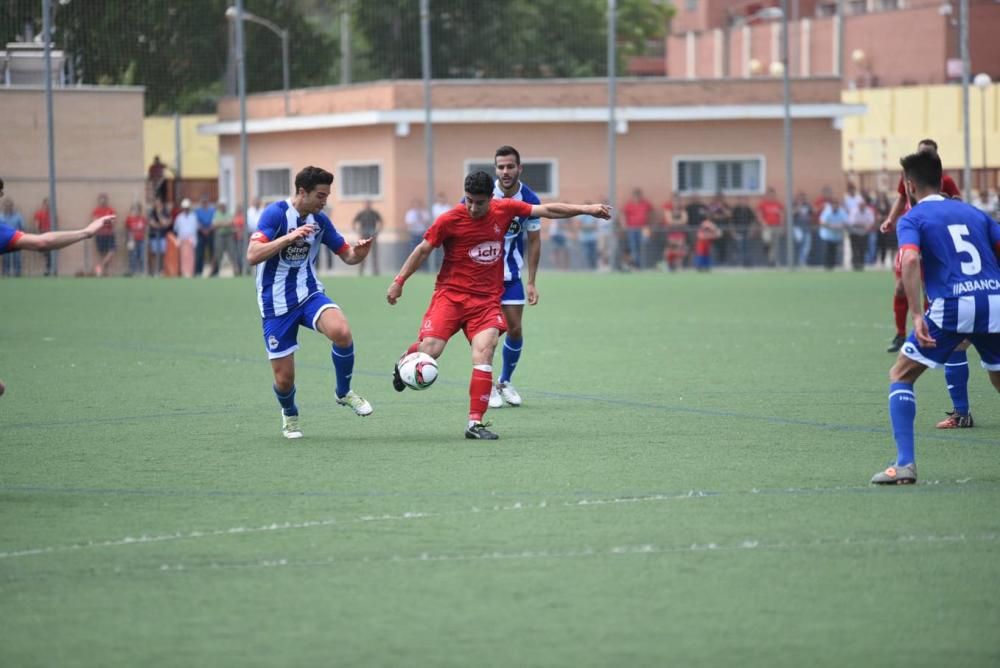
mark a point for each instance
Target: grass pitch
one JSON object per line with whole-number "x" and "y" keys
{"x": 686, "y": 484}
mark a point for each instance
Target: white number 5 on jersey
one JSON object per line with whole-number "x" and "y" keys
{"x": 958, "y": 234}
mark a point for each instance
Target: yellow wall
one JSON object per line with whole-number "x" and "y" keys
{"x": 199, "y": 153}
{"x": 897, "y": 118}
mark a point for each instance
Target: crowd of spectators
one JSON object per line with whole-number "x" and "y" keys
{"x": 829, "y": 230}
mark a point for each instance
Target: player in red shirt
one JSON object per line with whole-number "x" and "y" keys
{"x": 900, "y": 306}
{"x": 470, "y": 282}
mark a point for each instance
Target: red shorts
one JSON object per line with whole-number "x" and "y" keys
{"x": 451, "y": 311}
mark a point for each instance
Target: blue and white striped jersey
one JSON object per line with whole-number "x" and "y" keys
{"x": 513, "y": 242}
{"x": 958, "y": 245}
{"x": 289, "y": 278}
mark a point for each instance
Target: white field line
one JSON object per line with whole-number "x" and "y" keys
{"x": 146, "y": 538}
{"x": 589, "y": 552}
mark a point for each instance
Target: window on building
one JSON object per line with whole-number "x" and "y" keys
{"x": 857, "y": 7}
{"x": 540, "y": 175}
{"x": 709, "y": 175}
{"x": 359, "y": 181}
{"x": 888, "y": 5}
{"x": 691, "y": 5}
{"x": 274, "y": 183}
{"x": 826, "y": 9}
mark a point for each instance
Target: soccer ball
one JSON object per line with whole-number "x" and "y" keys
{"x": 418, "y": 370}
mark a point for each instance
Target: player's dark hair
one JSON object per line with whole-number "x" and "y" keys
{"x": 923, "y": 168}
{"x": 310, "y": 177}
{"x": 1, "y": 184}
{"x": 507, "y": 150}
{"x": 479, "y": 183}
{"x": 928, "y": 142}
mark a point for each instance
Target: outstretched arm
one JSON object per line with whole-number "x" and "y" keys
{"x": 561, "y": 210}
{"x": 411, "y": 265}
{"x": 55, "y": 240}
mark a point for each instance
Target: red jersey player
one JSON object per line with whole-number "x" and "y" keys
{"x": 470, "y": 282}
{"x": 901, "y": 206}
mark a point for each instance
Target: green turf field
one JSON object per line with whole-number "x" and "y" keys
{"x": 686, "y": 485}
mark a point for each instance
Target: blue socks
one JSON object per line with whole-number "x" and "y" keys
{"x": 956, "y": 376}
{"x": 343, "y": 366}
{"x": 902, "y": 412}
{"x": 287, "y": 401}
{"x": 511, "y": 354}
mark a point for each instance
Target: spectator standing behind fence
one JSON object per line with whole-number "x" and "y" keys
{"x": 886, "y": 243}
{"x": 675, "y": 219}
{"x": 135, "y": 229}
{"x": 240, "y": 235}
{"x": 707, "y": 233}
{"x": 253, "y": 215}
{"x": 368, "y": 225}
{"x": 225, "y": 240}
{"x": 772, "y": 218}
{"x": 158, "y": 178}
{"x": 720, "y": 213}
{"x": 186, "y": 228}
{"x": 42, "y": 221}
{"x": 159, "y": 224}
{"x": 587, "y": 228}
{"x": 832, "y": 222}
{"x": 105, "y": 237}
{"x": 860, "y": 223}
{"x": 204, "y": 250}
{"x": 416, "y": 220}
{"x": 743, "y": 222}
{"x": 636, "y": 212}
{"x": 559, "y": 242}
{"x": 11, "y": 217}
{"x": 802, "y": 227}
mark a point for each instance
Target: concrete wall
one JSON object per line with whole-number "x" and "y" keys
{"x": 99, "y": 148}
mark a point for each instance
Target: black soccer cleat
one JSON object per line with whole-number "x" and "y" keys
{"x": 397, "y": 382}
{"x": 479, "y": 431}
{"x": 897, "y": 343}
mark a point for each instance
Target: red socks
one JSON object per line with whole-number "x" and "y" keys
{"x": 479, "y": 393}
{"x": 900, "y": 308}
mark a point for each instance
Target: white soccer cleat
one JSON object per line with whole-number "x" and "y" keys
{"x": 357, "y": 403}
{"x": 290, "y": 426}
{"x": 496, "y": 401}
{"x": 508, "y": 393}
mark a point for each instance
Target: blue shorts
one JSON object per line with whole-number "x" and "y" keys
{"x": 513, "y": 292}
{"x": 987, "y": 345}
{"x": 281, "y": 332}
{"x": 703, "y": 261}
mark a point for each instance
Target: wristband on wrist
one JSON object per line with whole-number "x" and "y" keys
{"x": 399, "y": 280}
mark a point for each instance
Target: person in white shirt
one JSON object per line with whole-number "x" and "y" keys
{"x": 186, "y": 231}
{"x": 253, "y": 216}
{"x": 860, "y": 223}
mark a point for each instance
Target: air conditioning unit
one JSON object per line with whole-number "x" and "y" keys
{"x": 24, "y": 64}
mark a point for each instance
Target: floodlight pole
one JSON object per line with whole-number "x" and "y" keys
{"x": 786, "y": 99}
{"x": 963, "y": 26}
{"x": 612, "y": 137}
{"x": 49, "y": 113}
{"x": 241, "y": 90}
{"x": 425, "y": 66}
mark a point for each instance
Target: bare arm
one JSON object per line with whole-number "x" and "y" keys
{"x": 357, "y": 253}
{"x": 894, "y": 214}
{"x": 534, "y": 256}
{"x": 412, "y": 263}
{"x": 259, "y": 251}
{"x": 54, "y": 240}
{"x": 561, "y": 210}
{"x": 910, "y": 263}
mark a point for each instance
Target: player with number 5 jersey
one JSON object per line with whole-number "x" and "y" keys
{"x": 957, "y": 247}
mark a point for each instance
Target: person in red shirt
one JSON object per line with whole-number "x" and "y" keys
{"x": 772, "y": 217}
{"x": 900, "y": 306}
{"x": 636, "y": 213}
{"x": 105, "y": 237}
{"x": 708, "y": 232}
{"x": 43, "y": 224}
{"x": 136, "y": 224}
{"x": 470, "y": 282}
{"x": 675, "y": 219}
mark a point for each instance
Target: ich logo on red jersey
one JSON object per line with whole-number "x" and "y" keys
{"x": 487, "y": 252}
